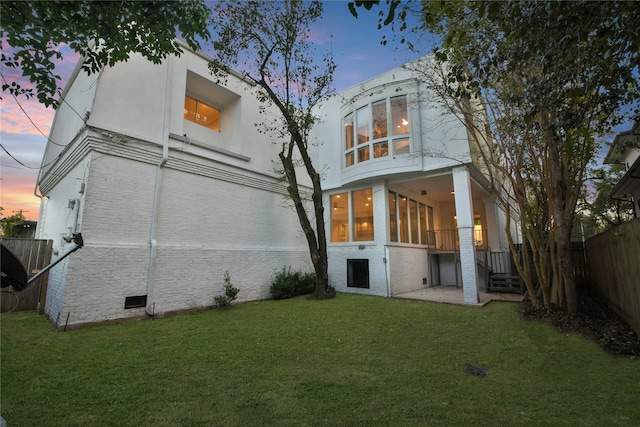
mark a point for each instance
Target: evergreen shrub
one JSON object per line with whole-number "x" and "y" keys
{"x": 288, "y": 284}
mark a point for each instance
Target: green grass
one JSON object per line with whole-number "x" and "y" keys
{"x": 353, "y": 360}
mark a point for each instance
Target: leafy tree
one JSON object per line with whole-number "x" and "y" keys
{"x": 102, "y": 32}
{"x": 8, "y": 222}
{"x": 269, "y": 42}
{"x": 597, "y": 210}
{"x": 536, "y": 83}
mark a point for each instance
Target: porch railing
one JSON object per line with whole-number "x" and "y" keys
{"x": 449, "y": 240}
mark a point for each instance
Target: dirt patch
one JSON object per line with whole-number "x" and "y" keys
{"x": 595, "y": 320}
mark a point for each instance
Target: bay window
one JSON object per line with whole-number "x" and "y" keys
{"x": 377, "y": 130}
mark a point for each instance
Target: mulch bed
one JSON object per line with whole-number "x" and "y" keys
{"x": 595, "y": 320}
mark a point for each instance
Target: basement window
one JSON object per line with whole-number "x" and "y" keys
{"x": 358, "y": 273}
{"x": 135, "y": 301}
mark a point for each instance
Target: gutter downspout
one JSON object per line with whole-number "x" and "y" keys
{"x": 153, "y": 231}
{"x": 387, "y": 272}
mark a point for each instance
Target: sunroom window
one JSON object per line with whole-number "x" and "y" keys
{"x": 201, "y": 113}
{"x": 352, "y": 216}
{"x": 376, "y": 130}
{"x": 408, "y": 222}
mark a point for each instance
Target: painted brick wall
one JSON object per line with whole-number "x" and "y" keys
{"x": 338, "y": 257}
{"x": 408, "y": 266}
{"x": 205, "y": 227}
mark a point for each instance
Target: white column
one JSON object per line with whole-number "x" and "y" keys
{"x": 464, "y": 213}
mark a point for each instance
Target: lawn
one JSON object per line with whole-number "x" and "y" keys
{"x": 353, "y": 360}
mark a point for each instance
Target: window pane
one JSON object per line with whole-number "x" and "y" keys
{"x": 363, "y": 154}
{"x": 401, "y": 146}
{"x": 431, "y": 227}
{"x": 380, "y": 149}
{"x": 402, "y": 213}
{"x": 339, "y": 218}
{"x": 349, "y": 159}
{"x": 423, "y": 224}
{"x": 348, "y": 131}
{"x": 362, "y": 121}
{"x": 189, "y": 109}
{"x": 379, "y": 118}
{"x": 362, "y": 215}
{"x": 393, "y": 224}
{"x": 399, "y": 116}
{"x": 413, "y": 216}
{"x": 208, "y": 116}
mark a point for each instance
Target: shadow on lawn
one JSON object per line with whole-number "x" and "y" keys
{"x": 595, "y": 320}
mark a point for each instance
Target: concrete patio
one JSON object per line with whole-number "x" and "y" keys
{"x": 453, "y": 295}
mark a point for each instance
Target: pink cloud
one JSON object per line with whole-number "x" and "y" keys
{"x": 18, "y": 195}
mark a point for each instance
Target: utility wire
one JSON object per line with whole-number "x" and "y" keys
{"x": 22, "y": 164}
{"x": 32, "y": 122}
{"x": 18, "y": 161}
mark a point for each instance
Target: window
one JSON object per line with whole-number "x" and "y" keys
{"x": 348, "y": 131}
{"x": 366, "y": 131}
{"x": 399, "y": 116}
{"x": 339, "y": 218}
{"x": 408, "y": 220}
{"x": 201, "y": 113}
{"x": 358, "y": 273}
{"x": 362, "y": 121}
{"x": 393, "y": 222}
{"x": 403, "y": 220}
{"x": 423, "y": 223}
{"x": 413, "y": 218}
{"x": 363, "y": 215}
{"x": 379, "y": 119}
{"x": 352, "y": 221}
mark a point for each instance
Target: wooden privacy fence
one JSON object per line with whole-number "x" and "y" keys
{"x": 614, "y": 267}
{"x": 35, "y": 255}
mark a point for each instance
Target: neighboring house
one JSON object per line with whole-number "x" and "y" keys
{"x": 165, "y": 175}
{"x": 406, "y": 206}
{"x": 625, "y": 150}
{"x": 24, "y": 229}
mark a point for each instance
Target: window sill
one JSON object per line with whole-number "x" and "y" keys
{"x": 191, "y": 141}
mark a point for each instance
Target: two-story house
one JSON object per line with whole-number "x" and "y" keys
{"x": 407, "y": 205}
{"x": 165, "y": 175}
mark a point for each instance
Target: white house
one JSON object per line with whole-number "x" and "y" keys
{"x": 170, "y": 184}
{"x": 407, "y": 207}
{"x": 625, "y": 150}
{"x": 165, "y": 175}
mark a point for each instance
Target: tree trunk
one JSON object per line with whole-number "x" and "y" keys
{"x": 317, "y": 244}
{"x": 561, "y": 225}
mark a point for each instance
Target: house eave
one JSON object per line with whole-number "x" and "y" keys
{"x": 629, "y": 182}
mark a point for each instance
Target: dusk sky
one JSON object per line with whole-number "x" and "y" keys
{"x": 356, "y": 48}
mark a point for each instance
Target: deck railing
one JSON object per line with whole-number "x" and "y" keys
{"x": 449, "y": 240}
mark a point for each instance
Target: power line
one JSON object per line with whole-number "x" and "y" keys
{"x": 29, "y": 167}
{"x": 32, "y": 122}
{"x": 18, "y": 161}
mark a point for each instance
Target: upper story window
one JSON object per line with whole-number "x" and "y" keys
{"x": 201, "y": 113}
{"x": 376, "y": 130}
